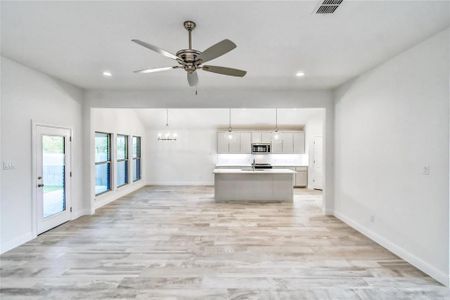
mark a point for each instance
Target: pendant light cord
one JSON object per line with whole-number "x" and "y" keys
{"x": 276, "y": 119}
{"x": 167, "y": 117}
{"x": 229, "y": 119}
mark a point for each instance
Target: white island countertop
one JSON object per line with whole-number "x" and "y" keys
{"x": 251, "y": 171}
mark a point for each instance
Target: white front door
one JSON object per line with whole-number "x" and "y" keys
{"x": 317, "y": 163}
{"x": 53, "y": 170}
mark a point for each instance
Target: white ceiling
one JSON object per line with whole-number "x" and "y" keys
{"x": 76, "y": 41}
{"x": 218, "y": 118}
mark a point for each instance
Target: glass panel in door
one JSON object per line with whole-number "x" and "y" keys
{"x": 53, "y": 175}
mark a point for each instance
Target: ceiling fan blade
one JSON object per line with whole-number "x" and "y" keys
{"x": 217, "y": 50}
{"x": 192, "y": 78}
{"x": 156, "y": 49}
{"x": 225, "y": 71}
{"x": 145, "y": 71}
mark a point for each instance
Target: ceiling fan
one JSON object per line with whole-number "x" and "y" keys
{"x": 190, "y": 59}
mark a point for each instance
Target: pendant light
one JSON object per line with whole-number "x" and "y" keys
{"x": 167, "y": 135}
{"x": 276, "y": 136}
{"x": 230, "y": 131}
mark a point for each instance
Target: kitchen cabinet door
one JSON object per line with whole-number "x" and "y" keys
{"x": 256, "y": 137}
{"x": 277, "y": 145}
{"x": 301, "y": 177}
{"x": 234, "y": 144}
{"x": 299, "y": 142}
{"x": 288, "y": 142}
{"x": 222, "y": 142}
{"x": 246, "y": 142}
{"x": 266, "y": 137}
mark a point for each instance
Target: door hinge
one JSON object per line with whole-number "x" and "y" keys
{"x": 71, "y": 209}
{"x": 70, "y": 139}
{"x": 70, "y": 173}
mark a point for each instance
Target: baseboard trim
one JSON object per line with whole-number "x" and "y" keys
{"x": 109, "y": 197}
{"x": 397, "y": 250}
{"x": 79, "y": 213}
{"x": 22, "y": 239}
{"x": 180, "y": 183}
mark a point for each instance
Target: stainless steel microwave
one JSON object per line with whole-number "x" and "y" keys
{"x": 261, "y": 148}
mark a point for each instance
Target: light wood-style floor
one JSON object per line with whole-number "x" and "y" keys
{"x": 177, "y": 243}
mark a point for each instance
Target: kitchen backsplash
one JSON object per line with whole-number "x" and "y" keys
{"x": 274, "y": 159}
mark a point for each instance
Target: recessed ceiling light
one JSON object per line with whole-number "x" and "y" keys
{"x": 107, "y": 73}
{"x": 300, "y": 74}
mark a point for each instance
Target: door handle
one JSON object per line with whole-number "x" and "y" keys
{"x": 40, "y": 185}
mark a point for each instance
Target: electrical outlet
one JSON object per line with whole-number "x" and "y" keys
{"x": 426, "y": 170}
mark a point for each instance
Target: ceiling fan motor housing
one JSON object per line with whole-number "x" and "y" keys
{"x": 189, "y": 58}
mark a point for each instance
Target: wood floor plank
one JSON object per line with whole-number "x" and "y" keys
{"x": 178, "y": 243}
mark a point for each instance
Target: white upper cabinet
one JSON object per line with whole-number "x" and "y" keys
{"x": 266, "y": 137}
{"x": 222, "y": 142}
{"x": 256, "y": 137}
{"x": 234, "y": 144}
{"x": 277, "y": 144}
{"x": 288, "y": 142}
{"x": 299, "y": 142}
{"x": 240, "y": 142}
{"x": 246, "y": 142}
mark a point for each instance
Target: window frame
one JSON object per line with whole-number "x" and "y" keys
{"x": 137, "y": 157}
{"x": 125, "y": 159}
{"x": 105, "y": 162}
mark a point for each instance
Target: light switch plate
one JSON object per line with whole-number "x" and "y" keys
{"x": 8, "y": 165}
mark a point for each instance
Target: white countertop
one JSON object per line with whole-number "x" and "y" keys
{"x": 260, "y": 171}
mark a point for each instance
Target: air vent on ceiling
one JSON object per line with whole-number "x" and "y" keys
{"x": 328, "y": 6}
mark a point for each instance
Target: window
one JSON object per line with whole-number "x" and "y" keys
{"x": 122, "y": 160}
{"x": 102, "y": 162}
{"x": 136, "y": 158}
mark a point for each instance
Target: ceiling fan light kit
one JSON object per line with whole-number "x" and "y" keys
{"x": 192, "y": 60}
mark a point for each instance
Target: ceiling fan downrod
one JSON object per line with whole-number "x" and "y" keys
{"x": 190, "y": 25}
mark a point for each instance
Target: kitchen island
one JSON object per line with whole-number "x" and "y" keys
{"x": 247, "y": 184}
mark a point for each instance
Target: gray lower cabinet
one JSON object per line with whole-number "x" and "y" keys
{"x": 301, "y": 177}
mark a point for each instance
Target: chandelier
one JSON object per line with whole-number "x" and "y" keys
{"x": 167, "y": 135}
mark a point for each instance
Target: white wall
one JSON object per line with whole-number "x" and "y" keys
{"x": 314, "y": 127}
{"x": 391, "y": 122}
{"x": 28, "y": 95}
{"x": 189, "y": 160}
{"x": 117, "y": 121}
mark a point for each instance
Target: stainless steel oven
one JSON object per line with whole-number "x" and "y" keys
{"x": 261, "y": 148}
